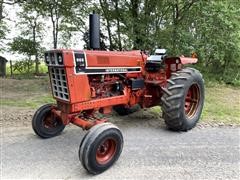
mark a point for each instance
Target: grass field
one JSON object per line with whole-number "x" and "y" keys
{"x": 222, "y": 103}
{"x": 26, "y": 93}
{"x": 24, "y": 74}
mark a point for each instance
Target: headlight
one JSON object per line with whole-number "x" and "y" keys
{"x": 52, "y": 58}
{"x": 59, "y": 58}
{"x": 47, "y": 58}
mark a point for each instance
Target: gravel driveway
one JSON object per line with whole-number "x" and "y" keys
{"x": 150, "y": 151}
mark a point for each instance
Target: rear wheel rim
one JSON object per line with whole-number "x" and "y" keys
{"x": 192, "y": 101}
{"x": 106, "y": 151}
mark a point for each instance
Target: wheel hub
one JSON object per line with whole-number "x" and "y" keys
{"x": 50, "y": 121}
{"x": 106, "y": 151}
{"x": 192, "y": 101}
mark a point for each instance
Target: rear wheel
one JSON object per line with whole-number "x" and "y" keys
{"x": 100, "y": 148}
{"x": 45, "y": 124}
{"x": 183, "y": 99}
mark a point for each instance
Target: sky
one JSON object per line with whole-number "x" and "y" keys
{"x": 11, "y": 12}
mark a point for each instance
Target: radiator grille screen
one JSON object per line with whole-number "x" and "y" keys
{"x": 59, "y": 83}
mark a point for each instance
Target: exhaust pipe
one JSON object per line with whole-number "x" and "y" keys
{"x": 94, "y": 31}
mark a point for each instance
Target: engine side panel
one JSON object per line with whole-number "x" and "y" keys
{"x": 113, "y": 59}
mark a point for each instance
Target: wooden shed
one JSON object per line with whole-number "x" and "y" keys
{"x": 3, "y": 62}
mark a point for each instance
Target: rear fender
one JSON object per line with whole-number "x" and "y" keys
{"x": 174, "y": 64}
{"x": 188, "y": 60}
{"x": 183, "y": 60}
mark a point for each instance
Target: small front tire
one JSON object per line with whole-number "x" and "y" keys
{"x": 100, "y": 148}
{"x": 45, "y": 124}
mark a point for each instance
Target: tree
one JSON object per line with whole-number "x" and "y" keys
{"x": 103, "y": 39}
{"x": 64, "y": 15}
{"x": 25, "y": 47}
{"x": 3, "y": 18}
{"x": 107, "y": 15}
{"x": 210, "y": 28}
{"x": 3, "y": 27}
{"x": 31, "y": 26}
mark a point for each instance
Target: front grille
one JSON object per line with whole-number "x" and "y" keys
{"x": 59, "y": 83}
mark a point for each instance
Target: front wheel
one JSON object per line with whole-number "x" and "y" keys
{"x": 100, "y": 148}
{"x": 45, "y": 124}
{"x": 183, "y": 99}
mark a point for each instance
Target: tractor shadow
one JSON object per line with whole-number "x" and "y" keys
{"x": 150, "y": 118}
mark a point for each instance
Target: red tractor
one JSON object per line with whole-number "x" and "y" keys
{"x": 86, "y": 82}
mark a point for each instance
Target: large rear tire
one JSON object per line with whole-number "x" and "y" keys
{"x": 100, "y": 148}
{"x": 45, "y": 124}
{"x": 183, "y": 99}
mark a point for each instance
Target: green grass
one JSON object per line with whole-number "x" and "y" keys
{"x": 222, "y": 105}
{"x": 43, "y": 69}
{"x": 28, "y": 103}
{"x": 27, "y": 93}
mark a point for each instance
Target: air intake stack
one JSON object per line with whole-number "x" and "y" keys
{"x": 94, "y": 31}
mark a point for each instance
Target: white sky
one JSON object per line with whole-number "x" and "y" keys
{"x": 11, "y": 12}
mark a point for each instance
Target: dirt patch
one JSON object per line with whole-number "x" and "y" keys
{"x": 16, "y": 117}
